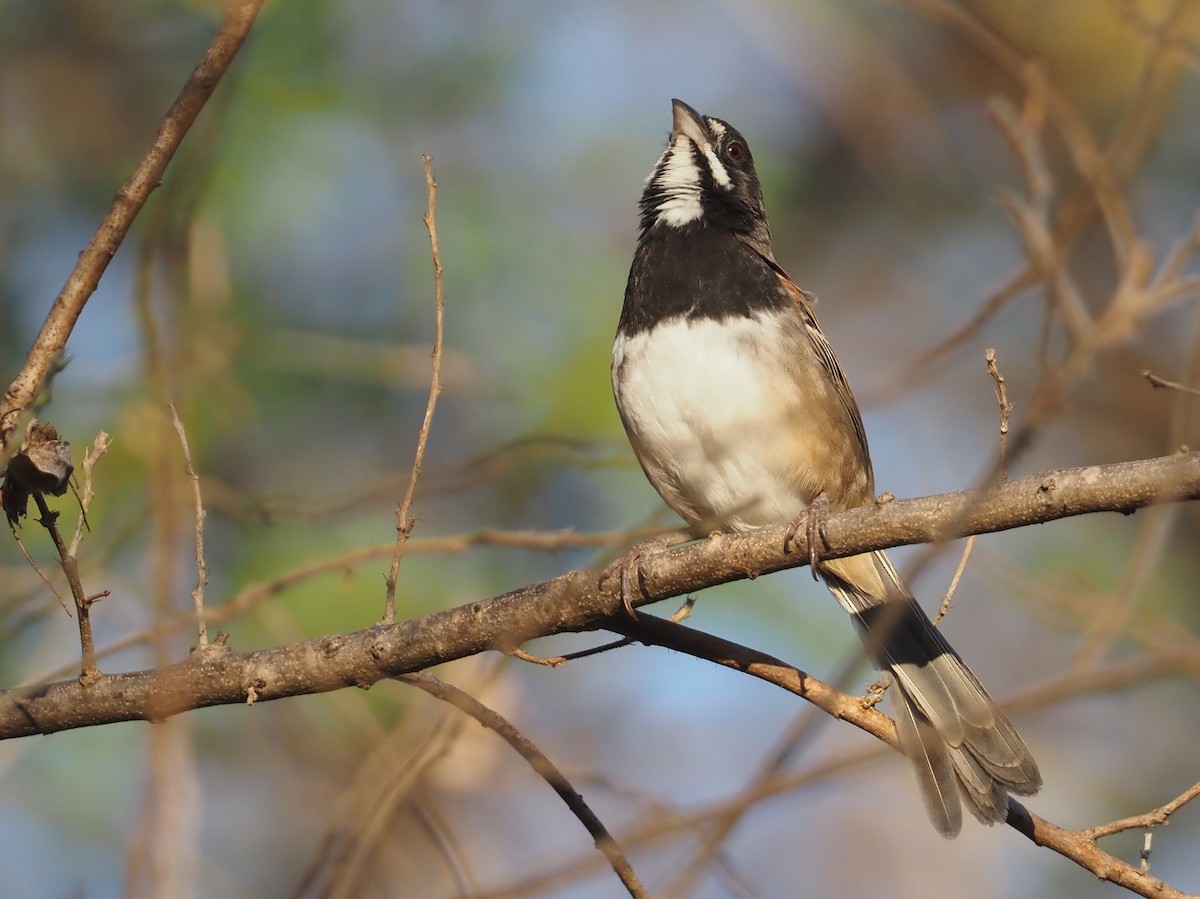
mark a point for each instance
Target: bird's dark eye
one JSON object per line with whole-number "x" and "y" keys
{"x": 736, "y": 150}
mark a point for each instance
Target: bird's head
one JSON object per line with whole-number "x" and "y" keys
{"x": 705, "y": 177}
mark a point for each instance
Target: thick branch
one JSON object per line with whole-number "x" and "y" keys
{"x": 579, "y": 600}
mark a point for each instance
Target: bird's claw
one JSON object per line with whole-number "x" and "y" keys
{"x": 632, "y": 575}
{"x": 815, "y": 520}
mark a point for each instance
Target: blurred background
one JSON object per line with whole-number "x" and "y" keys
{"x": 278, "y": 288}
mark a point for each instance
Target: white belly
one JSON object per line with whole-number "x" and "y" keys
{"x": 716, "y": 422}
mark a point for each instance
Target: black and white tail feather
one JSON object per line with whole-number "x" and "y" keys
{"x": 950, "y": 728}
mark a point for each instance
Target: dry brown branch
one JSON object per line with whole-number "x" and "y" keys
{"x": 201, "y": 567}
{"x": 1087, "y": 157}
{"x": 252, "y": 595}
{"x": 959, "y": 570}
{"x": 86, "y": 494}
{"x": 1079, "y": 846}
{"x": 1156, "y": 381}
{"x": 545, "y": 769}
{"x": 1082, "y": 849}
{"x": 88, "y": 673}
{"x": 664, "y": 823}
{"x": 1005, "y": 408}
{"x": 148, "y": 174}
{"x": 1156, "y": 818}
{"x": 404, "y": 522}
{"x": 1049, "y": 230}
{"x": 582, "y": 600}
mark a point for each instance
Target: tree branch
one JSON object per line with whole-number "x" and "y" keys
{"x": 544, "y": 768}
{"x": 1077, "y": 845}
{"x": 580, "y": 600}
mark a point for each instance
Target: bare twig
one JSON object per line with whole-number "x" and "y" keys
{"x": 201, "y": 566}
{"x": 1155, "y": 818}
{"x": 1002, "y": 475}
{"x": 89, "y": 673}
{"x": 1082, "y": 849}
{"x": 1005, "y": 409}
{"x": 581, "y": 601}
{"x": 404, "y": 523}
{"x": 86, "y": 494}
{"x": 544, "y": 768}
{"x": 944, "y": 607}
{"x": 41, "y": 574}
{"x": 680, "y": 614}
{"x": 1156, "y": 381}
{"x": 94, "y": 259}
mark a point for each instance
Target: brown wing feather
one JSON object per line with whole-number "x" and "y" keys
{"x": 824, "y": 352}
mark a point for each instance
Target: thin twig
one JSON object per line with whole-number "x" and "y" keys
{"x": 34, "y": 565}
{"x": 1154, "y": 818}
{"x": 1005, "y": 409}
{"x": 201, "y": 567}
{"x": 542, "y": 766}
{"x": 680, "y": 614}
{"x": 404, "y": 523}
{"x": 88, "y": 673}
{"x": 958, "y": 573}
{"x": 1002, "y": 475}
{"x": 86, "y": 494}
{"x": 1156, "y": 381}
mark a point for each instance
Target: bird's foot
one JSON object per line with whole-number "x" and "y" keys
{"x": 875, "y": 692}
{"x": 814, "y": 520}
{"x": 631, "y": 563}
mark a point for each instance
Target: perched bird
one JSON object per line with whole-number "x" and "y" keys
{"x": 740, "y": 415}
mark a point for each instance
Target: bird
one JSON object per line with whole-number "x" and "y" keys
{"x": 737, "y": 409}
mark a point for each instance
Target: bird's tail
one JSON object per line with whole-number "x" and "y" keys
{"x": 957, "y": 738}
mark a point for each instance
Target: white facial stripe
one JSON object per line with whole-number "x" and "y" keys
{"x": 717, "y": 129}
{"x": 718, "y": 170}
{"x": 679, "y": 180}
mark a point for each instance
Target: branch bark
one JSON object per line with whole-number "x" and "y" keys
{"x": 579, "y": 600}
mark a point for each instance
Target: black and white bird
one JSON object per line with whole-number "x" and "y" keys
{"x": 741, "y": 417}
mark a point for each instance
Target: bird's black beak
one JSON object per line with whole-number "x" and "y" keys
{"x": 687, "y": 121}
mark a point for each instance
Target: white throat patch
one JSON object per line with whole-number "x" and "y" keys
{"x": 677, "y": 176}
